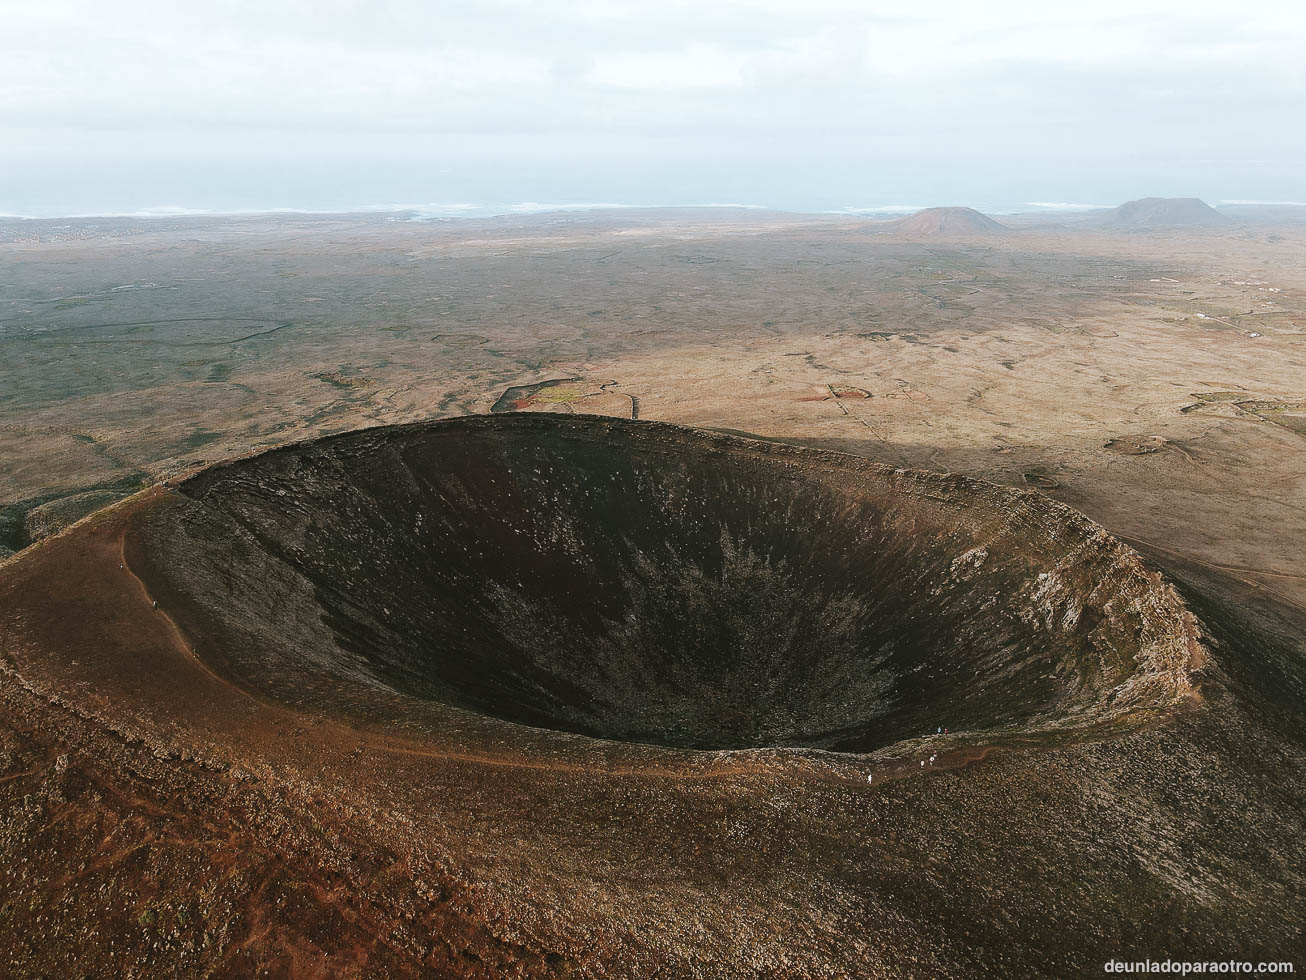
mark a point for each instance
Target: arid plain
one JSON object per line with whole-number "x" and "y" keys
{"x": 1152, "y": 378}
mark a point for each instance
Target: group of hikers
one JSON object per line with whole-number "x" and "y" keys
{"x": 870, "y": 777}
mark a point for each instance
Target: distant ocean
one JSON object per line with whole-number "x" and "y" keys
{"x": 448, "y": 211}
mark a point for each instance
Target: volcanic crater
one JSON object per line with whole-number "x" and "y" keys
{"x": 642, "y": 582}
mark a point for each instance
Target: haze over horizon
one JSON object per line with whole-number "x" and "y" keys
{"x": 810, "y": 107}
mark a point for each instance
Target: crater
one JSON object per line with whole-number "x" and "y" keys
{"x": 642, "y": 582}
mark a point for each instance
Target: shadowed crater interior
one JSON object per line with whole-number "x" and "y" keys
{"x": 643, "y": 582}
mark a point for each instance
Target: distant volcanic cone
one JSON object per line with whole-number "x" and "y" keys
{"x": 949, "y": 221}
{"x": 1166, "y": 212}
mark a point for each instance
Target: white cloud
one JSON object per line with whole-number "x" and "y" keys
{"x": 695, "y": 66}
{"x": 410, "y": 61}
{"x": 1119, "y": 82}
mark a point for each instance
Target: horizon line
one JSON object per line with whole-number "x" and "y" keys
{"x": 459, "y": 210}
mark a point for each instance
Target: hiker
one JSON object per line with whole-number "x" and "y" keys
{"x": 932, "y": 758}
{"x": 156, "y": 603}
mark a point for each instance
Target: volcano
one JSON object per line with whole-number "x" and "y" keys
{"x": 562, "y": 695}
{"x": 948, "y": 222}
{"x": 1165, "y": 212}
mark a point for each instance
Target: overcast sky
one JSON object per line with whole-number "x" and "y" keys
{"x": 821, "y": 104}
